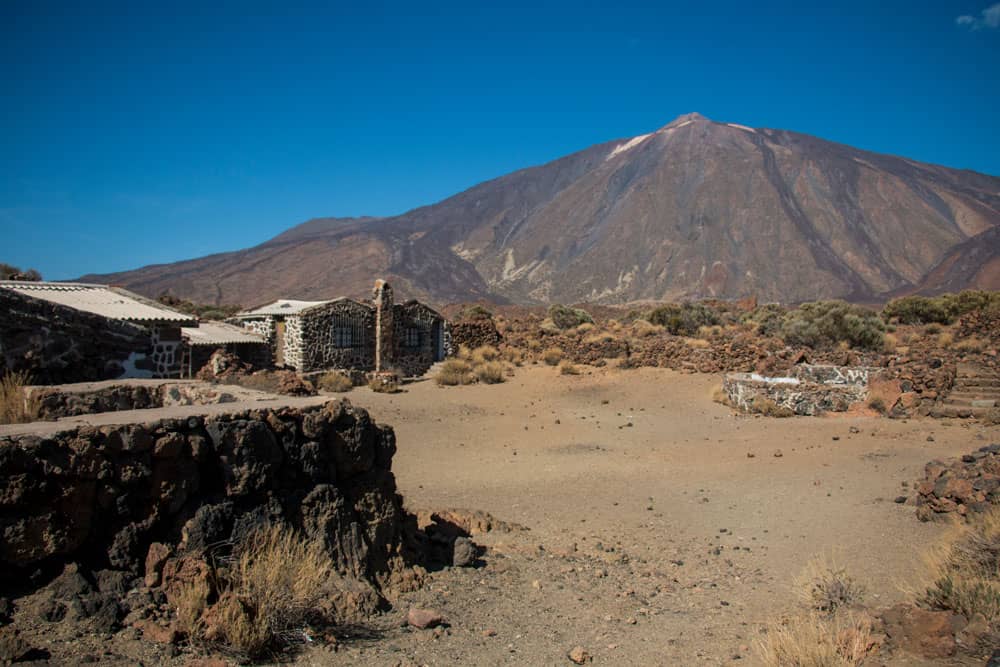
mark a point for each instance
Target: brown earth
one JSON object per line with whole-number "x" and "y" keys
{"x": 659, "y": 527}
{"x": 696, "y": 209}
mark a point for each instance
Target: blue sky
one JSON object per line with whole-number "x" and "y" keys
{"x": 134, "y": 135}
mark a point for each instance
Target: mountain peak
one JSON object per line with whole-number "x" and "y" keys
{"x": 684, "y": 119}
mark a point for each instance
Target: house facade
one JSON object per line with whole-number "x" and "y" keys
{"x": 75, "y": 332}
{"x": 346, "y": 334}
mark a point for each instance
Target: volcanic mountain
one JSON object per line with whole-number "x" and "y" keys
{"x": 695, "y": 209}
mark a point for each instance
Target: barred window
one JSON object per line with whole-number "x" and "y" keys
{"x": 343, "y": 337}
{"x": 412, "y": 337}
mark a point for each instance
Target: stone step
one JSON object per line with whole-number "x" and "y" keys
{"x": 976, "y": 385}
{"x": 974, "y": 394}
{"x": 971, "y": 402}
{"x": 963, "y": 412}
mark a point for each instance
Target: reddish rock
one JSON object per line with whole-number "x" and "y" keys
{"x": 153, "y": 631}
{"x": 930, "y": 634}
{"x": 424, "y": 618}
{"x": 579, "y": 655}
{"x": 155, "y": 558}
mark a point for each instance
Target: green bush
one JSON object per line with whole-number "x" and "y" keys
{"x": 565, "y": 317}
{"x": 474, "y": 312}
{"x": 830, "y": 322}
{"x": 943, "y": 309}
{"x": 766, "y": 318}
{"x": 683, "y": 319}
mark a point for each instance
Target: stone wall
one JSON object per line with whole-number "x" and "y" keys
{"x": 311, "y": 337}
{"x": 413, "y": 320}
{"x": 801, "y": 396}
{"x": 57, "y": 344}
{"x": 473, "y": 334}
{"x": 834, "y": 375}
{"x": 57, "y": 402}
{"x": 101, "y": 496}
{"x": 166, "y": 351}
{"x": 255, "y": 354}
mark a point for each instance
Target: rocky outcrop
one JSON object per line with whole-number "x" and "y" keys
{"x": 961, "y": 486}
{"x": 100, "y": 497}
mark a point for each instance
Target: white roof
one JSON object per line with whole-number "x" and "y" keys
{"x": 281, "y": 307}
{"x": 219, "y": 333}
{"x": 110, "y": 302}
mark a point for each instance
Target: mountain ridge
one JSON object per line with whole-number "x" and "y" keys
{"x": 694, "y": 209}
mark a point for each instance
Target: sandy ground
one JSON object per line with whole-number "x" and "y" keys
{"x": 663, "y": 528}
{"x": 660, "y": 527}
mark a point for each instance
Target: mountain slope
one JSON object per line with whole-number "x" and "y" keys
{"x": 694, "y": 209}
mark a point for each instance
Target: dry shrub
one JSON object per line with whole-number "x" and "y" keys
{"x": 614, "y": 325}
{"x": 945, "y": 340}
{"x": 549, "y": 327}
{"x": 970, "y": 344}
{"x": 491, "y": 372}
{"x": 644, "y": 328}
{"x": 190, "y": 603}
{"x": 719, "y": 395}
{"x": 697, "y": 343}
{"x": 534, "y": 345}
{"x": 568, "y": 368}
{"x": 965, "y": 570}
{"x": 814, "y": 640}
{"x": 274, "y": 586}
{"x": 586, "y": 327}
{"x": 513, "y": 355}
{"x": 464, "y": 353}
{"x": 706, "y": 331}
{"x": 826, "y": 587}
{"x": 552, "y": 356}
{"x": 455, "y": 372}
{"x": 889, "y": 343}
{"x": 484, "y": 353}
{"x": 765, "y": 406}
{"x": 17, "y": 406}
{"x": 600, "y": 338}
{"x": 334, "y": 381}
{"x": 877, "y": 403}
{"x": 384, "y": 383}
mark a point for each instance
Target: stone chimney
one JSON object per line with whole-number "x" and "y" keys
{"x": 382, "y": 298}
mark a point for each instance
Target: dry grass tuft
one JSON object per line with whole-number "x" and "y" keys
{"x": 455, "y": 372}
{"x": 877, "y": 403}
{"x": 945, "y": 340}
{"x": 643, "y": 328}
{"x": 490, "y": 372}
{"x": 697, "y": 343}
{"x": 16, "y": 405}
{"x": 719, "y": 395}
{"x": 384, "y": 383}
{"x": 272, "y": 589}
{"x": 584, "y": 328}
{"x": 552, "y": 356}
{"x": 970, "y": 344}
{"x": 513, "y": 355}
{"x": 334, "y": 381}
{"x": 890, "y": 343}
{"x": 965, "y": 570}
{"x": 568, "y": 368}
{"x": 484, "y": 353}
{"x": 813, "y": 640}
{"x": 768, "y": 408}
{"x": 826, "y": 587}
{"x": 600, "y": 338}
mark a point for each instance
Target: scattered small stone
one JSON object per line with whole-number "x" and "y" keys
{"x": 854, "y": 429}
{"x": 930, "y": 438}
{"x": 750, "y": 455}
{"x": 836, "y": 437}
{"x": 578, "y": 655}
{"x": 489, "y": 632}
{"x": 464, "y": 552}
{"x": 899, "y": 500}
{"x": 778, "y": 454}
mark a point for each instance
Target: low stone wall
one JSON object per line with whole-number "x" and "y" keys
{"x": 802, "y": 395}
{"x": 102, "y": 497}
{"x": 57, "y": 402}
{"x": 473, "y": 334}
{"x": 962, "y": 486}
{"x": 57, "y": 344}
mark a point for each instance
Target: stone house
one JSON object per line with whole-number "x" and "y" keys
{"x": 352, "y": 335}
{"x": 75, "y": 332}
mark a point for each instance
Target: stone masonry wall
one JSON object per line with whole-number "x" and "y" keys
{"x": 101, "y": 496}
{"x": 802, "y": 398}
{"x": 310, "y": 337}
{"x": 57, "y": 344}
{"x": 415, "y": 360}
